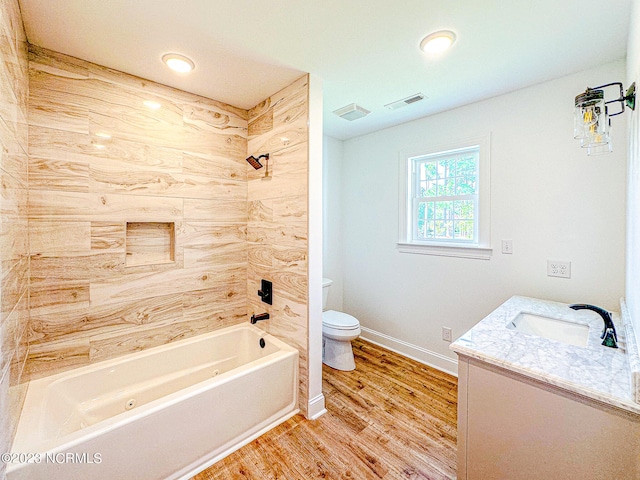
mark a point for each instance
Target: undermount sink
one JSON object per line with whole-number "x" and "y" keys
{"x": 552, "y": 328}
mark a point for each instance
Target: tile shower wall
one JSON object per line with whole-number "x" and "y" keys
{"x": 277, "y": 223}
{"x": 14, "y": 263}
{"x": 104, "y": 167}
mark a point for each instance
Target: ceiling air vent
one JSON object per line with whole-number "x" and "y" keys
{"x": 352, "y": 112}
{"x": 405, "y": 101}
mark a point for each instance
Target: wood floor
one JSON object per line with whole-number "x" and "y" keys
{"x": 391, "y": 418}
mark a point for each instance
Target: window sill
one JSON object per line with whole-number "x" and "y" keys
{"x": 479, "y": 253}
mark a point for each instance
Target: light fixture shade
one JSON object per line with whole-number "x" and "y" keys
{"x": 590, "y": 120}
{"x": 602, "y": 147}
{"x": 352, "y": 112}
{"x": 598, "y": 135}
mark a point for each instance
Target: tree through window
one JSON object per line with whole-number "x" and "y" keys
{"x": 445, "y": 199}
{"x": 445, "y": 196}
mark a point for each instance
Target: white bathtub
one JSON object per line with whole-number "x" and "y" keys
{"x": 164, "y": 413}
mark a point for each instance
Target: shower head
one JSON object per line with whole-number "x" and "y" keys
{"x": 255, "y": 162}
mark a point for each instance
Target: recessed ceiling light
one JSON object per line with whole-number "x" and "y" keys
{"x": 437, "y": 42}
{"x": 178, "y": 63}
{"x": 151, "y": 104}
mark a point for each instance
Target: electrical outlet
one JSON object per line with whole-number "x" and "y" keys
{"x": 507, "y": 246}
{"x": 446, "y": 334}
{"x": 559, "y": 268}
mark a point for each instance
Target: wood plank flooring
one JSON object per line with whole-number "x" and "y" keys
{"x": 391, "y": 418}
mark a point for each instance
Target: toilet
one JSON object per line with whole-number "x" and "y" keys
{"x": 338, "y": 329}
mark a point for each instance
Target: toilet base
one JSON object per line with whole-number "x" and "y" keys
{"x": 338, "y": 354}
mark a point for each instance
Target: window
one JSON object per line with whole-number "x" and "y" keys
{"x": 445, "y": 200}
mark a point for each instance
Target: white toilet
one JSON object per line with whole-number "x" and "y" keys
{"x": 338, "y": 329}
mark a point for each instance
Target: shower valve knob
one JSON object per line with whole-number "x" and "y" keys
{"x": 266, "y": 291}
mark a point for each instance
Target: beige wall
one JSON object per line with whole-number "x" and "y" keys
{"x": 277, "y": 223}
{"x": 182, "y": 164}
{"x": 13, "y": 215}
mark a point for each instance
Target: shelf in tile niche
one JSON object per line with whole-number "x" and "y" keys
{"x": 150, "y": 243}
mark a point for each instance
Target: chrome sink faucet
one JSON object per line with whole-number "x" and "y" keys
{"x": 609, "y": 335}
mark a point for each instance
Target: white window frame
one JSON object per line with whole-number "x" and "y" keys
{"x": 481, "y": 247}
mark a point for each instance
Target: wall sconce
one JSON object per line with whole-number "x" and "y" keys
{"x": 592, "y": 120}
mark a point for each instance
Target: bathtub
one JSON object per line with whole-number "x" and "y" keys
{"x": 164, "y": 413}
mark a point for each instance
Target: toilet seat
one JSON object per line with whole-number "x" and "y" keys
{"x": 339, "y": 320}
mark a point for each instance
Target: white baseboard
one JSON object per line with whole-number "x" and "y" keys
{"x": 315, "y": 407}
{"x": 420, "y": 354}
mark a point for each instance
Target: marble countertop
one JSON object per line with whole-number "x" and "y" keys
{"x": 594, "y": 371}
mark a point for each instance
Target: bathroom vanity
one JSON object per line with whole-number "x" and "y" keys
{"x": 545, "y": 400}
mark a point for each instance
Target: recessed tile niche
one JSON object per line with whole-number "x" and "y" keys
{"x": 150, "y": 243}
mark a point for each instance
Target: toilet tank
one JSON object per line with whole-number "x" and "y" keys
{"x": 326, "y": 284}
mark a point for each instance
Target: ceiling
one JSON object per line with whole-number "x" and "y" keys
{"x": 366, "y": 51}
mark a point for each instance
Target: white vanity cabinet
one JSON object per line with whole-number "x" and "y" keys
{"x": 511, "y": 427}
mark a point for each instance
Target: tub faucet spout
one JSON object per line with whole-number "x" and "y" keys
{"x": 609, "y": 335}
{"x": 260, "y": 316}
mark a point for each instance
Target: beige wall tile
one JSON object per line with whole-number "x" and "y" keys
{"x": 198, "y": 142}
{"x": 197, "y": 233}
{"x": 57, "y": 109}
{"x": 52, "y": 174}
{"x": 226, "y": 295}
{"x": 14, "y": 239}
{"x": 105, "y": 346}
{"x": 13, "y": 155}
{"x": 14, "y": 242}
{"x": 51, "y": 323}
{"x": 52, "y": 357}
{"x": 215, "y": 253}
{"x": 60, "y": 144}
{"x": 65, "y": 205}
{"x": 283, "y": 135}
{"x": 216, "y": 120}
{"x": 147, "y": 88}
{"x": 59, "y": 238}
{"x": 290, "y": 209}
{"x": 234, "y": 211}
{"x": 14, "y": 284}
{"x": 59, "y": 294}
{"x": 222, "y": 167}
{"x": 277, "y": 218}
{"x": 282, "y": 184}
{"x": 152, "y": 182}
{"x": 145, "y": 285}
{"x": 261, "y": 125}
{"x": 107, "y": 236}
{"x": 47, "y": 60}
